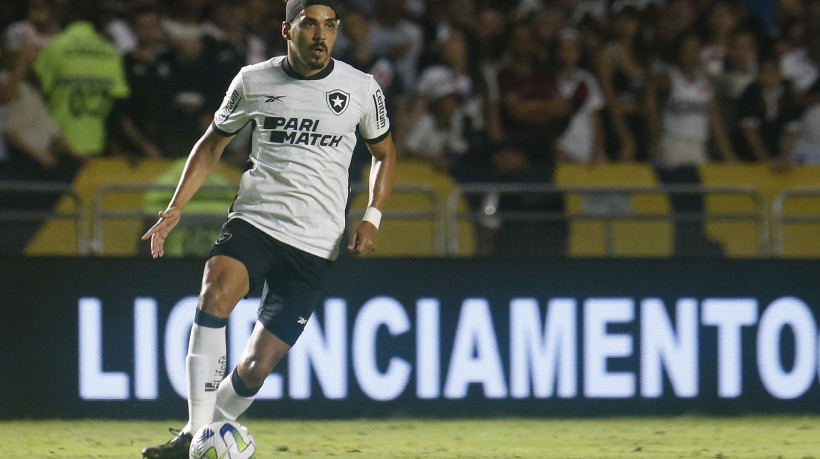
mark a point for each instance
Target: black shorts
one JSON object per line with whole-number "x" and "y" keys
{"x": 293, "y": 281}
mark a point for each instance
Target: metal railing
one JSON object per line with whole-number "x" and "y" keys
{"x": 443, "y": 213}
{"x": 489, "y": 211}
{"x": 780, "y": 219}
{"x": 435, "y": 213}
{"x": 53, "y": 192}
{"x": 100, "y": 214}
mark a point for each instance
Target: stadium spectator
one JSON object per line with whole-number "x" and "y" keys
{"x": 36, "y": 147}
{"x": 739, "y": 70}
{"x": 456, "y": 66}
{"x": 147, "y": 120}
{"x": 491, "y": 36}
{"x": 591, "y": 41}
{"x": 673, "y": 19}
{"x": 490, "y": 41}
{"x": 31, "y": 147}
{"x": 81, "y": 72}
{"x": 396, "y": 38}
{"x": 791, "y": 36}
{"x": 622, "y": 69}
{"x": 225, "y": 53}
{"x": 689, "y": 114}
{"x": 582, "y": 141}
{"x": 114, "y": 22}
{"x": 799, "y": 62}
{"x": 721, "y": 21}
{"x": 354, "y": 47}
{"x": 353, "y": 44}
{"x": 681, "y": 132}
{"x": 187, "y": 26}
{"x": 263, "y": 20}
{"x": 37, "y": 28}
{"x": 533, "y": 115}
{"x": 768, "y": 117}
{"x": 437, "y": 137}
{"x": 439, "y": 18}
{"x": 14, "y": 73}
{"x": 547, "y": 23}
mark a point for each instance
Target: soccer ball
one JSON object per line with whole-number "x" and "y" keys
{"x": 222, "y": 440}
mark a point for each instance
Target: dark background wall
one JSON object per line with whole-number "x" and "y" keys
{"x": 429, "y": 337}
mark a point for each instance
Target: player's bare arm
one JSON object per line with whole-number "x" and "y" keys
{"x": 202, "y": 160}
{"x": 363, "y": 240}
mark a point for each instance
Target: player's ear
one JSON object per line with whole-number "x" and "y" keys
{"x": 286, "y": 30}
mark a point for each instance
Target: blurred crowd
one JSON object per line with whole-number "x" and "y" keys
{"x": 486, "y": 90}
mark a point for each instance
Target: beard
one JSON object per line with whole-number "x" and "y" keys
{"x": 314, "y": 62}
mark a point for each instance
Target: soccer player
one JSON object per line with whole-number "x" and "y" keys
{"x": 284, "y": 227}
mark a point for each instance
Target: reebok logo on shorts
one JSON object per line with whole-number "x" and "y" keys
{"x": 224, "y": 237}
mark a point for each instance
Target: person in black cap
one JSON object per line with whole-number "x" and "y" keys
{"x": 286, "y": 223}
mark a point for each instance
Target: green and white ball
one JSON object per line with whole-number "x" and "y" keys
{"x": 222, "y": 440}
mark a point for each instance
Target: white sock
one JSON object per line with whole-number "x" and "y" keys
{"x": 229, "y": 404}
{"x": 206, "y": 363}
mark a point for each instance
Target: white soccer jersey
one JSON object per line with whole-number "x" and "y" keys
{"x": 686, "y": 112}
{"x": 304, "y": 131}
{"x": 578, "y": 138}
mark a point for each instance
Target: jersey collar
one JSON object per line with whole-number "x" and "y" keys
{"x": 316, "y": 76}
{"x": 80, "y": 26}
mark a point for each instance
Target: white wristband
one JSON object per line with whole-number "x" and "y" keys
{"x": 372, "y": 215}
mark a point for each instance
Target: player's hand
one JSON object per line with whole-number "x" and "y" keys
{"x": 168, "y": 219}
{"x": 363, "y": 240}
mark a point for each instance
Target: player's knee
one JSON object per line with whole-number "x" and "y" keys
{"x": 215, "y": 301}
{"x": 253, "y": 371}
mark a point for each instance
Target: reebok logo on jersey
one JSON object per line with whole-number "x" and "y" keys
{"x": 337, "y": 100}
{"x": 274, "y": 98}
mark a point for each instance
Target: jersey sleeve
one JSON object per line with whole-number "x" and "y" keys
{"x": 374, "y": 125}
{"x": 232, "y": 115}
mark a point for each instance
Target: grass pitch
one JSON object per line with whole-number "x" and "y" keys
{"x": 634, "y": 438}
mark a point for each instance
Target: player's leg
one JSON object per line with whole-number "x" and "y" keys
{"x": 239, "y": 256}
{"x": 263, "y": 352}
{"x": 224, "y": 283}
{"x": 293, "y": 290}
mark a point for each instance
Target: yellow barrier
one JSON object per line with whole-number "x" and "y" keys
{"x": 630, "y": 237}
{"x": 53, "y": 239}
{"x": 801, "y": 240}
{"x": 398, "y": 237}
{"x": 415, "y": 238}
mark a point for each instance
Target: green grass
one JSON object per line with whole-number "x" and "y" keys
{"x": 634, "y": 438}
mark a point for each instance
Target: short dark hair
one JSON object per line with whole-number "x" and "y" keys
{"x": 82, "y": 10}
{"x": 294, "y": 7}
